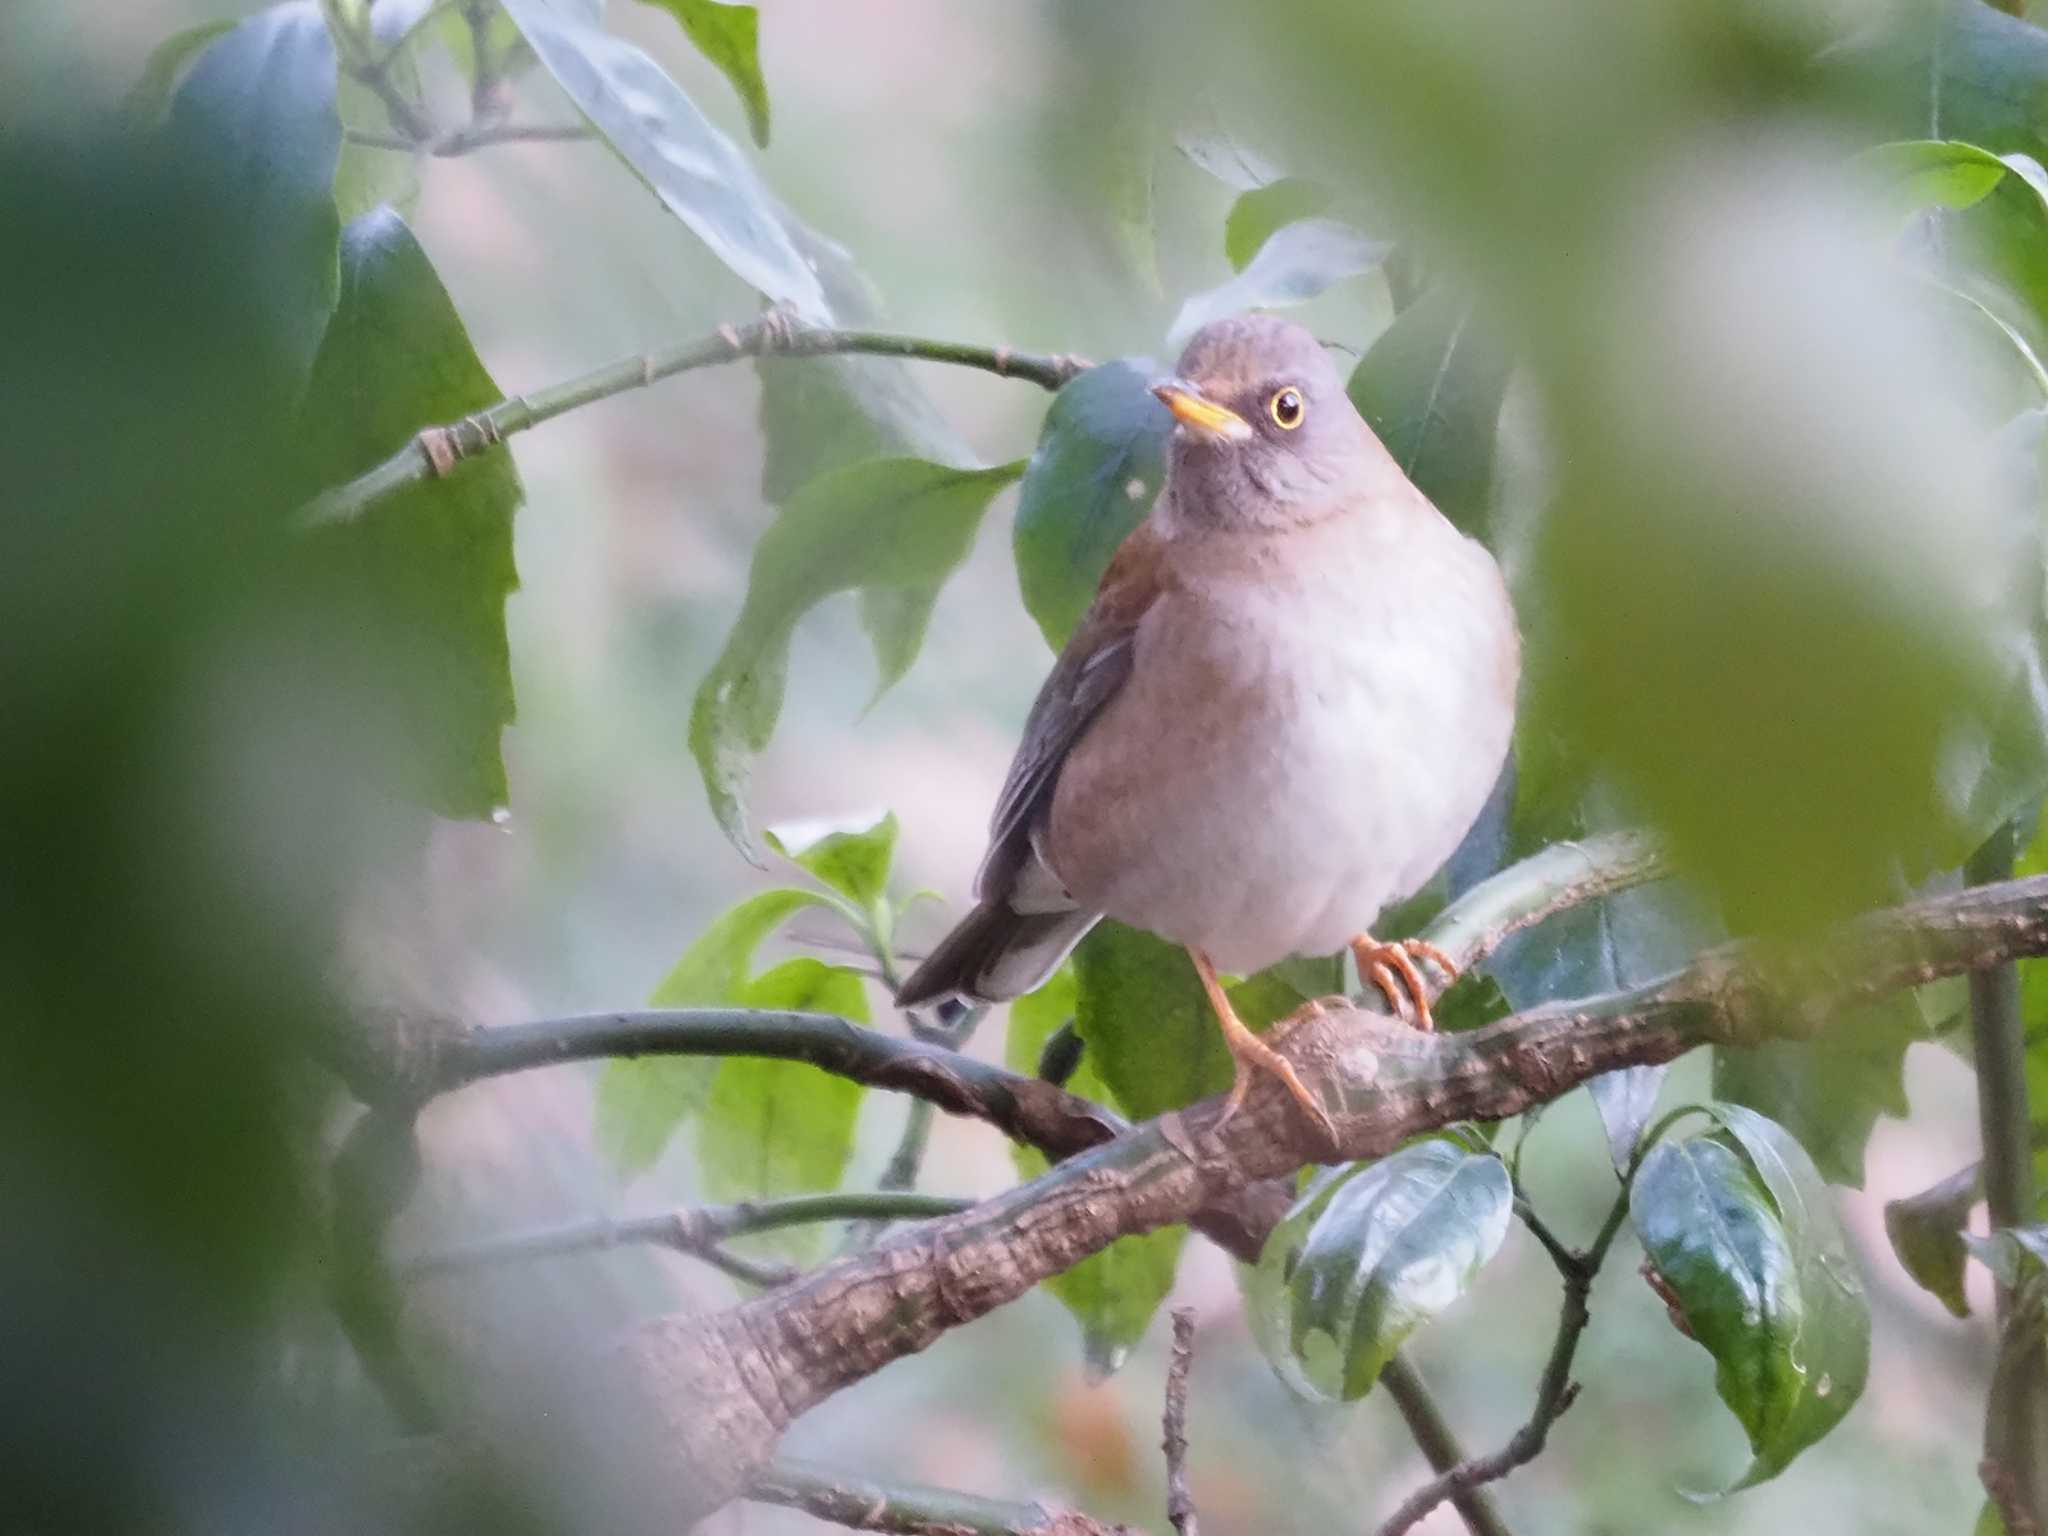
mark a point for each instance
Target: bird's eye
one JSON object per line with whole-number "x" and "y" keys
{"x": 1286, "y": 408}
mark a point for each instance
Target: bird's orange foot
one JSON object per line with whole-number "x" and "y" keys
{"x": 1254, "y": 1055}
{"x": 1392, "y": 968}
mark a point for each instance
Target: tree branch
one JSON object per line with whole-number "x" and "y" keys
{"x": 1180, "y": 1503}
{"x": 747, "y": 1372}
{"x": 695, "y": 1230}
{"x": 911, "y": 1510}
{"x": 434, "y": 451}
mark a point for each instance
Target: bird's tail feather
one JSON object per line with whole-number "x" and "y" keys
{"x": 995, "y": 954}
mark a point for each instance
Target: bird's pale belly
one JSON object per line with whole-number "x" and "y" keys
{"x": 1257, "y": 812}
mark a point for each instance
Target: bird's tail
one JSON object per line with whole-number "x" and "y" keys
{"x": 995, "y": 954}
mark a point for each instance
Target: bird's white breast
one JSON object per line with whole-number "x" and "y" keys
{"x": 1302, "y": 740}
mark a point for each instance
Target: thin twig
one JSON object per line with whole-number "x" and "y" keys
{"x": 1180, "y": 1503}
{"x": 1555, "y": 1392}
{"x": 910, "y": 1510}
{"x": 462, "y": 141}
{"x": 695, "y": 1230}
{"x": 433, "y": 451}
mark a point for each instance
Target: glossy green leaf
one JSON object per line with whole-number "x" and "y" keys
{"x": 1295, "y": 264}
{"x": 1926, "y": 1232}
{"x": 425, "y": 573}
{"x": 640, "y": 1102}
{"x": 729, "y": 36}
{"x": 854, "y": 861}
{"x": 1740, "y": 1229}
{"x": 896, "y": 524}
{"x": 1431, "y": 386}
{"x": 1113, "y": 1294}
{"x": 257, "y": 112}
{"x": 783, "y": 1127}
{"x": 1369, "y": 1254}
{"x": 1257, "y": 213}
{"x": 1970, "y": 68}
{"x": 150, "y": 97}
{"x": 1098, "y": 465}
{"x": 696, "y": 171}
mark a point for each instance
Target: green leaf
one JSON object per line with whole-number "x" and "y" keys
{"x": 425, "y": 573}
{"x": 729, "y": 36}
{"x": 1926, "y": 1232}
{"x": 1152, "y": 1037}
{"x": 150, "y": 97}
{"x": 783, "y": 1127}
{"x": 1295, "y": 264}
{"x": 1098, "y": 465}
{"x": 1369, "y": 1254}
{"x": 895, "y": 524}
{"x": 257, "y": 113}
{"x": 1624, "y": 1100}
{"x": 1972, "y": 69}
{"x": 1431, "y": 386}
{"x": 1112, "y": 1294}
{"x": 854, "y": 861}
{"x": 1933, "y": 173}
{"x": 825, "y": 413}
{"x": 696, "y": 171}
{"x": 640, "y": 1102}
{"x": 1748, "y": 1244}
{"x": 1257, "y": 213}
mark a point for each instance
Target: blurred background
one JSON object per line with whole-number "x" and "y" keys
{"x": 1008, "y": 175}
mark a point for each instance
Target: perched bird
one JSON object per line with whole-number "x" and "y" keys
{"x": 1284, "y": 709}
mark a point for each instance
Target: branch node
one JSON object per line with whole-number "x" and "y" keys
{"x": 438, "y": 444}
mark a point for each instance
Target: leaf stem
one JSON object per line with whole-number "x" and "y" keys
{"x": 1439, "y": 1444}
{"x": 434, "y": 451}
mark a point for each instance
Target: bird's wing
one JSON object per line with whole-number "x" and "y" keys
{"x": 1094, "y": 665}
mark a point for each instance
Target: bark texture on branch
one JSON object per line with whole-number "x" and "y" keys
{"x": 722, "y": 1388}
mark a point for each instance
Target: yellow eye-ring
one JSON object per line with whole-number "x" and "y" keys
{"x": 1287, "y": 408}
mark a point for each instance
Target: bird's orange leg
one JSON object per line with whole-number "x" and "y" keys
{"x": 1251, "y": 1053}
{"x": 1381, "y": 964}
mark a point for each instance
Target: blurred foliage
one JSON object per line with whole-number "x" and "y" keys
{"x": 1720, "y": 323}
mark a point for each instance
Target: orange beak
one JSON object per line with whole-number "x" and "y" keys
{"x": 1191, "y": 408}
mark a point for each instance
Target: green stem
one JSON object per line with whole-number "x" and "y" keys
{"x": 1439, "y": 1444}
{"x": 434, "y": 451}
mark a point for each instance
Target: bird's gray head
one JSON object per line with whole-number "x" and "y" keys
{"x": 1265, "y": 435}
